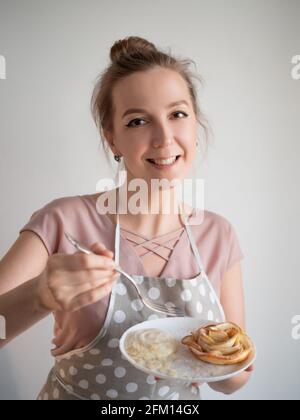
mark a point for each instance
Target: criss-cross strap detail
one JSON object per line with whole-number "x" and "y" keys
{"x": 143, "y": 246}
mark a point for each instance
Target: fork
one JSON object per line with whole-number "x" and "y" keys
{"x": 163, "y": 309}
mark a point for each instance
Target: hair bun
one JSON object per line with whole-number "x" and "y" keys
{"x": 130, "y": 45}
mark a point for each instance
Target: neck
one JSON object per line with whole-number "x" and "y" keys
{"x": 152, "y": 214}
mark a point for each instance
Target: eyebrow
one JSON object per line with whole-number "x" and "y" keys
{"x": 135, "y": 110}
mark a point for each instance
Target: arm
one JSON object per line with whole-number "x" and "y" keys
{"x": 60, "y": 282}
{"x": 21, "y": 309}
{"x": 232, "y": 300}
{"x": 19, "y": 271}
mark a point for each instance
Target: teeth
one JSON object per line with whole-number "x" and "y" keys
{"x": 164, "y": 161}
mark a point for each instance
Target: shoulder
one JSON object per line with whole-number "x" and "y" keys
{"x": 218, "y": 220}
{"x": 214, "y": 229}
{"x": 63, "y": 203}
{"x": 55, "y": 210}
{"x": 64, "y": 206}
{"x": 217, "y": 239}
{"x": 71, "y": 213}
{"x": 210, "y": 221}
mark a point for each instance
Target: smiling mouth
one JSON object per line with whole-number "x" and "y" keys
{"x": 164, "y": 162}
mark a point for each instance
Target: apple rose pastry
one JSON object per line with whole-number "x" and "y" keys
{"x": 221, "y": 344}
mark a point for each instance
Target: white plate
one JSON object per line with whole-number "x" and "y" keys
{"x": 189, "y": 368}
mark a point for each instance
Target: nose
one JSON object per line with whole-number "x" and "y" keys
{"x": 162, "y": 135}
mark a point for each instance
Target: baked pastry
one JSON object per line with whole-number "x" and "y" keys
{"x": 220, "y": 344}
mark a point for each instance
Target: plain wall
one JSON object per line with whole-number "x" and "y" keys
{"x": 49, "y": 146}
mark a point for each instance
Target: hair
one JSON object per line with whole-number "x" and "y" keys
{"x": 130, "y": 55}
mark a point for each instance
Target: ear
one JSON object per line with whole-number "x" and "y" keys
{"x": 110, "y": 139}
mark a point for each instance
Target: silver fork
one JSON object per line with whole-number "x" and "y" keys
{"x": 163, "y": 309}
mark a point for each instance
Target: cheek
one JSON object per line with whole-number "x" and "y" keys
{"x": 130, "y": 144}
{"x": 134, "y": 150}
{"x": 188, "y": 144}
{"x": 187, "y": 134}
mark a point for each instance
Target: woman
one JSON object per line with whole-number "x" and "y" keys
{"x": 145, "y": 107}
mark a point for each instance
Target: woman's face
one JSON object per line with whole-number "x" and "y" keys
{"x": 147, "y": 126}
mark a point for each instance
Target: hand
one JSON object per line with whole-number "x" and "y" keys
{"x": 192, "y": 385}
{"x": 250, "y": 368}
{"x": 70, "y": 282}
{"x": 231, "y": 385}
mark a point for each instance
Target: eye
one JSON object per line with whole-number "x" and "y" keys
{"x": 132, "y": 121}
{"x": 180, "y": 112}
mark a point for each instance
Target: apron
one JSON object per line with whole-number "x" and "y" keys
{"x": 99, "y": 371}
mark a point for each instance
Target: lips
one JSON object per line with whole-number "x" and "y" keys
{"x": 164, "y": 161}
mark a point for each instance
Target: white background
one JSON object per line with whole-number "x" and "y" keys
{"x": 49, "y": 146}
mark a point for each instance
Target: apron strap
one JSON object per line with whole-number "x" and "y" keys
{"x": 117, "y": 233}
{"x": 192, "y": 240}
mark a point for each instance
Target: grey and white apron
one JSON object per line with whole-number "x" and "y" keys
{"x": 98, "y": 371}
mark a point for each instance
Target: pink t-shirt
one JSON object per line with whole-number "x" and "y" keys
{"x": 215, "y": 238}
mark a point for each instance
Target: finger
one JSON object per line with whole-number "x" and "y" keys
{"x": 93, "y": 296}
{"x": 91, "y": 284}
{"x": 67, "y": 333}
{"x": 85, "y": 278}
{"x": 250, "y": 368}
{"x": 60, "y": 339}
{"x": 108, "y": 253}
{"x": 81, "y": 261}
{"x": 68, "y": 346}
{"x": 66, "y": 295}
{"x": 99, "y": 248}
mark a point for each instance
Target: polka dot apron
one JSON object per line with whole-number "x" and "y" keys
{"x": 99, "y": 371}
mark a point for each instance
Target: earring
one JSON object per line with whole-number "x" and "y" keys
{"x": 117, "y": 158}
{"x": 197, "y": 143}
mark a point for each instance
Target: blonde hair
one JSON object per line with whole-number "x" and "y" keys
{"x": 131, "y": 55}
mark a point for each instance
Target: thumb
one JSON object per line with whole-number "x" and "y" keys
{"x": 100, "y": 249}
{"x": 250, "y": 368}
